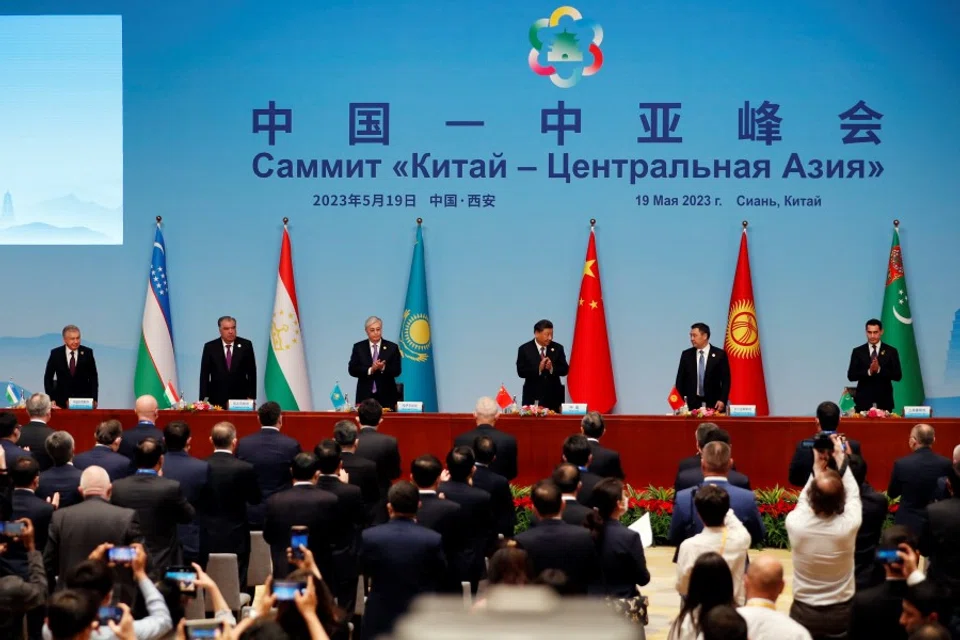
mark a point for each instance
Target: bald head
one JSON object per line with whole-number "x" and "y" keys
{"x": 826, "y": 494}
{"x": 146, "y": 408}
{"x": 923, "y": 435}
{"x": 94, "y": 481}
{"x": 764, "y": 578}
{"x": 715, "y": 459}
{"x": 956, "y": 454}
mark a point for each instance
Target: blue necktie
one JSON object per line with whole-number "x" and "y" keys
{"x": 700, "y": 369}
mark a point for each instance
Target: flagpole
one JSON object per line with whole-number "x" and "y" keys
{"x": 159, "y": 219}
{"x": 745, "y": 224}
{"x": 896, "y": 225}
{"x": 593, "y": 222}
{"x": 285, "y": 221}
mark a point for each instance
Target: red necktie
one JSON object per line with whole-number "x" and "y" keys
{"x": 73, "y": 362}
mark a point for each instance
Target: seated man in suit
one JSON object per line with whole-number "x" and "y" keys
{"x": 693, "y": 462}
{"x": 376, "y": 364}
{"x": 9, "y": 436}
{"x": 605, "y": 462}
{"x": 828, "y": 421}
{"x": 62, "y": 478}
{"x": 477, "y": 513}
{"x": 554, "y": 544}
{"x": 380, "y": 448}
{"x": 401, "y": 560}
{"x": 501, "y": 498}
{"x": 576, "y": 451}
{"x": 567, "y": 477}
{"x": 193, "y": 475}
{"x": 34, "y": 434}
{"x": 146, "y": 427}
{"x": 228, "y": 367}
{"x": 914, "y": 478}
{"x": 362, "y": 472}
{"x": 104, "y": 454}
{"x": 703, "y": 376}
{"x": 867, "y": 571}
{"x": 486, "y": 413}
{"x": 541, "y": 363}
{"x": 874, "y": 367}
{"x": 716, "y": 466}
{"x": 693, "y": 477}
{"x": 71, "y": 371}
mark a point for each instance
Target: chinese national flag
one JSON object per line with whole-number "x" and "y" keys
{"x": 742, "y": 342}
{"x": 675, "y": 399}
{"x": 591, "y": 372}
{"x": 504, "y": 399}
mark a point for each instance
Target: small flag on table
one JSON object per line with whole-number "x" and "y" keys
{"x": 847, "y": 403}
{"x": 336, "y": 397}
{"x": 675, "y": 399}
{"x": 15, "y": 395}
{"x": 504, "y": 399}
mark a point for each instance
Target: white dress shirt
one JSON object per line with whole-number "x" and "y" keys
{"x": 732, "y": 541}
{"x": 822, "y": 548}
{"x": 764, "y": 622}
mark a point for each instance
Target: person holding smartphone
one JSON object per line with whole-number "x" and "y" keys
{"x": 18, "y": 596}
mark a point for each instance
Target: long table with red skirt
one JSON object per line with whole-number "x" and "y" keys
{"x": 649, "y": 446}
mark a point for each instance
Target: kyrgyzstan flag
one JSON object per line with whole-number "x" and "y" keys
{"x": 742, "y": 342}
{"x": 591, "y": 372}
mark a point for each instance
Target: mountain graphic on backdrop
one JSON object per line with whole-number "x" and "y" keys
{"x": 948, "y": 404}
{"x": 59, "y": 221}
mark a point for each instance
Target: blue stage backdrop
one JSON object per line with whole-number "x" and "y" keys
{"x": 506, "y": 126}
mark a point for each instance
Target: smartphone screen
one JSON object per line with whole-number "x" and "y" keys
{"x": 298, "y": 537}
{"x": 12, "y": 529}
{"x": 201, "y": 628}
{"x": 184, "y": 577}
{"x": 121, "y": 554}
{"x": 887, "y": 556}
{"x": 286, "y": 589}
{"x": 109, "y": 613}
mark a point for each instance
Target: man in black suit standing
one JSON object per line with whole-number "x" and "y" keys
{"x": 104, "y": 454}
{"x": 914, "y": 478}
{"x": 147, "y": 412}
{"x": 567, "y": 478}
{"x": 874, "y": 366}
{"x": 193, "y": 475}
{"x": 605, "y": 462}
{"x": 233, "y": 484}
{"x": 62, "y": 478}
{"x": 469, "y": 566}
{"x": 938, "y": 541}
{"x": 693, "y": 477}
{"x": 160, "y": 506}
{"x": 440, "y": 514}
{"x": 34, "y": 434}
{"x": 380, "y": 448}
{"x": 9, "y": 437}
{"x": 576, "y": 451}
{"x": 271, "y": 453}
{"x": 703, "y": 377}
{"x": 875, "y": 611}
{"x": 362, "y": 472}
{"x": 693, "y": 462}
{"x": 25, "y": 475}
{"x": 866, "y": 570}
{"x": 827, "y": 420}
{"x": 376, "y": 365}
{"x": 71, "y": 371}
{"x": 501, "y": 498}
{"x": 541, "y": 363}
{"x": 228, "y": 367}
{"x": 486, "y": 413}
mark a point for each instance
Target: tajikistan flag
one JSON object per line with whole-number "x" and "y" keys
{"x": 286, "y": 381}
{"x": 156, "y": 373}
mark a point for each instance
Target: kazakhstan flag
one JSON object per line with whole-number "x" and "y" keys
{"x": 418, "y": 378}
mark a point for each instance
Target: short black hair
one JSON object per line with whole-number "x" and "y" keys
{"x": 541, "y": 325}
{"x": 702, "y": 327}
{"x": 8, "y": 424}
{"x": 930, "y": 597}
{"x": 873, "y": 322}
{"x": 716, "y": 435}
{"x": 897, "y": 534}
{"x": 425, "y": 470}
{"x": 269, "y": 414}
{"x": 566, "y": 476}
{"x": 345, "y": 433}
{"x": 327, "y": 453}
{"x": 485, "y": 449}
{"x": 303, "y": 467}
{"x": 404, "y": 498}
{"x": 108, "y": 431}
{"x": 92, "y": 575}
{"x": 858, "y": 467}
{"x": 25, "y": 470}
{"x": 370, "y": 413}
{"x": 147, "y": 454}
{"x": 175, "y": 435}
{"x": 712, "y": 503}
{"x": 723, "y": 623}
{"x": 828, "y": 415}
{"x": 460, "y": 463}
{"x": 547, "y": 498}
{"x": 576, "y": 450}
{"x": 592, "y": 424}
{"x": 70, "y": 612}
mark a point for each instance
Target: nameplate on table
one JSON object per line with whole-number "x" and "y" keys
{"x": 408, "y": 406}
{"x": 573, "y": 408}
{"x": 742, "y": 410}
{"x": 916, "y": 412}
{"x": 241, "y": 405}
{"x": 79, "y": 403}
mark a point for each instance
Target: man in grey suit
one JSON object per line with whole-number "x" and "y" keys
{"x": 77, "y": 530}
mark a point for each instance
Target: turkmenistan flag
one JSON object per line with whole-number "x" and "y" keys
{"x": 416, "y": 347}
{"x": 286, "y": 381}
{"x": 156, "y": 373}
{"x": 898, "y": 330}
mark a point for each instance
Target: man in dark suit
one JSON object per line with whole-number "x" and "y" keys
{"x": 62, "y": 478}
{"x": 25, "y": 475}
{"x": 875, "y": 612}
{"x": 350, "y": 512}
{"x": 567, "y": 477}
{"x": 23, "y": 595}
{"x": 576, "y": 451}
{"x": 104, "y": 454}
{"x": 271, "y": 454}
{"x": 362, "y": 472}
{"x": 233, "y": 484}
{"x": 703, "y": 377}
{"x": 159, "y": 503}
{"x": 401, "y": 559}
{"x": 541, "y": 363}
{"x": 193, "y": 476}
{"x": 828, "y": 420}
{"x": 76, "y": 531}
{"x": 376, "y": 365}
{"x": 9, "y": 436}
{"x": 501, "y": 498}
{"x": 693, "y": 462}
{"x": 147, "y": 412}
{"x": 71, "y": 371}
{"x": 874, "y": 366}
{"x": 34, "y": 434}
{"x": 939, "y": 540}
{"x": 228, "y": 367}
{"x": 693, "y": 477}
{"x": 440, "y": 514}
{"x": 469, "y": 565}
{"x": 866, "y": 570}
{"x": 380, "y": 448}
{"x": 304, "y": 504}
{"x": 486, "y": 413}
{"x": 605, "y": 462}
{"x": 554, "y": 544}
{"x": 914, "y": 478}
